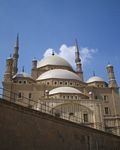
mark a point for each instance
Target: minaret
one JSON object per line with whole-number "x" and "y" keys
{"x": 111, "y": 76}
{"x": 8, "y": 72}
{"x": 78, "y": 62}
{"x": 34, "y": 63}
{"x": 16, "y": 56}
{"x": 34, "y": 68}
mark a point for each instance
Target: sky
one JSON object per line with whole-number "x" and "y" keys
{"x": 46, "y": 25}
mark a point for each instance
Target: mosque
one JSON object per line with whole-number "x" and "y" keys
{"x": 56, "y": 88}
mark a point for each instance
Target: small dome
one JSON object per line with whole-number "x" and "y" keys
{"x": 95, "y": 79}
{"x": 59, "y": 74}
{"x": 64, "y": 90}
{"x": 109, "y": 65}
{"x": 22, "y": 75}
{"x": 9, "y": 58}
{"x": 34, "y": 59}
{"x": 53, "y": 60}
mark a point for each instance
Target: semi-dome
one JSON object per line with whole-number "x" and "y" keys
{"x": 53, "y": 60}
{"x": 22, "y": 74}
{"x": 59, "y": 74}
{"x": 64, "y": 90}
{"x": 95, "y": 79}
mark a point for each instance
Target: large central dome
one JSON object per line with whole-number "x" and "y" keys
{"x": 53, "y": 60}
{"x": 59, "y": 74}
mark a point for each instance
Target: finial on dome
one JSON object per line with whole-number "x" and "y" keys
{"x": 93, "y": 73}
{"x": 53, "y": 53}
{"x": 10, "y": 55}
{"x": 34, "y": 59}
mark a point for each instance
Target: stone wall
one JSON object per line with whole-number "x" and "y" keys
{"x": 25, "y": 129}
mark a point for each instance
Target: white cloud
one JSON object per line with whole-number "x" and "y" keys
{"x": 87, "y": 54}
{"x": 68, "y": 53}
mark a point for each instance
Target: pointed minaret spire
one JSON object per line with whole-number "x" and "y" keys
{"x": 78, "y": 61}
{"x": 23, "y": 69}
{"x": 16, "y": 56}
{"x": 77, "y": 55}
{"x": 17, "y": 40}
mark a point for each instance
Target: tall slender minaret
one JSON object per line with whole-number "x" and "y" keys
{"x": 78, "y": 62}
{"x": 111, "y": 76}
{"x": 16, "y": 56}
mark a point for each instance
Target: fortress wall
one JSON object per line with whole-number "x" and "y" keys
{"x": 25, "y": 129}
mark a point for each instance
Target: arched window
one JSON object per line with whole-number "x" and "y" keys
{"x": 106, "y": 110}
{"x": 19, "y": 95}
{"x": 76, "y": 97}
{"x": 20, "y": 81}
{"x": 48, "y": 83}
{"x": 64, "y": 96}
{"x": 66, "y": 83}
{"x": 30, "y": 95}
{"x": 61, "y": 82}
{"x": 85, "y": 117}
{"x": 24, "y": 81}
{"x": 55, "y": 82}
{"x": 96, "y": 97}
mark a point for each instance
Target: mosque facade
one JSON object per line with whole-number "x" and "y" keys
{"x": 56, "y": 88}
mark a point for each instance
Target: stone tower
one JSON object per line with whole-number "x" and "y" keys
{"x": 111, "y": 76}
{"x": 8, "y": 72}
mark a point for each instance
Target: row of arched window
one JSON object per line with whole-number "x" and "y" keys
{"x": 20, "y": 95}
{"x": 63, "y": 83}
